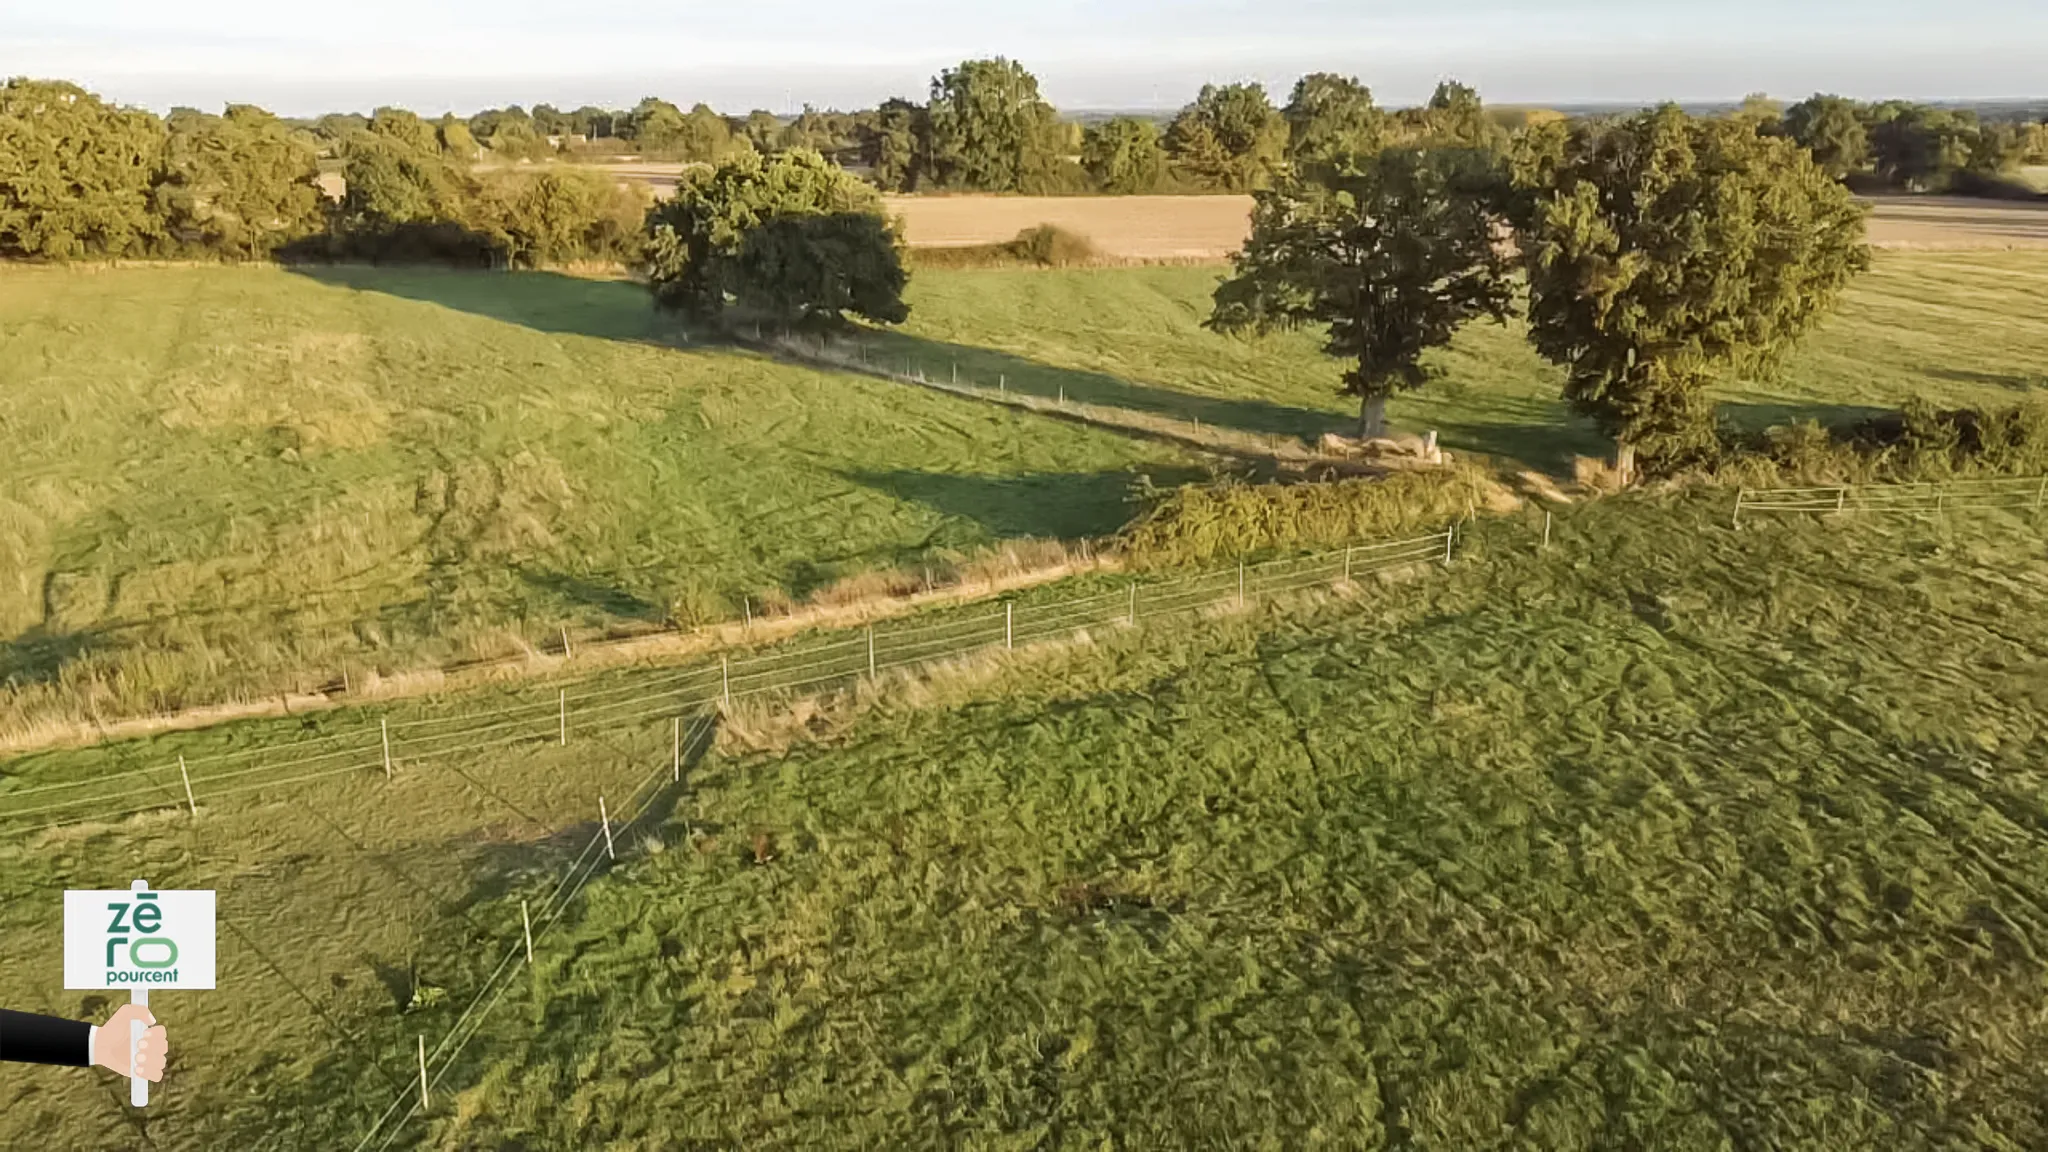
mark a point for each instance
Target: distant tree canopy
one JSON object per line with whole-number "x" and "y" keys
{"x": 240, "y": 184}
{"x": 1390, "y": 253}
{"x": 76, "y": 174}
{"x": 1230, "y": 139}
{"x": 1830, "y": 128}
{"x": 1123, "y": 155}
{"x": 1330, "y": 115}
{"x": 1455, "y": 118}
{"x": 1664, "y": 250}
{"x": 990, "y": 130}
{"x": 895, "y": 144}
{"x": 791, "y": 237}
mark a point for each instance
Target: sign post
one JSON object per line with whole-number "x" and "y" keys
{"x": 140, "y": 940}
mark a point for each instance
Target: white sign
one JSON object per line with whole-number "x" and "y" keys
{"x": 138, "y": 939}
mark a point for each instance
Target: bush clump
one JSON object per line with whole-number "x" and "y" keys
{"x": 1917, "y": 442}
{"x": 1045, "y": 246}
{"x": 1197, "y": 523}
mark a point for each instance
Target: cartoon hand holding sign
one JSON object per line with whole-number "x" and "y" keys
{"x": 138, "y": 940}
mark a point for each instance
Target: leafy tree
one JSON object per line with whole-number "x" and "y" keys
{"x": 557, "y": 215}
{"x": 75, "y": 173}
{"x": 1831, "y": 128}
{"x": 1454, "y": 118}
{"x": 763, "y": 129}
{"x": 241, "y": 184}
{"x": 1917, "y": 147}
{"x": 808, "y": 271}
{"x": 550, "y": 121}
{"x": 653, "y": 124}
{"x": 1391, "y": 253}
{"x": 455, "y": 139}
{"x": 989, "y": 126}
{"x": 1663, "y": 250}
{"x": 390, "y": 183}
{"x": 1761, "y": 112}
{"x": 895, "y": 144}
{"x": 698, "y": 247}
{"x": 1230, "y": 138}
{"x": 596, "y": 122}
{"x": 704, "y": 137}
{"x": 1123, "y": 155}
{"x": 406, "y": 128}
{"x": 1330, "y": 115}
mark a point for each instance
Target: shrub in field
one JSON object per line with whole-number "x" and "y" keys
{"x": 1045, "y": 246}
{"x": 1918, "y": 442}
{"x": 1199, "y": 523}
{"x": 238, "y": 185}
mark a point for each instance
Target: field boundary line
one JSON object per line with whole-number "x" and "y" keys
{"x": 379, "y": 747}
{"x": 1917, "y": 498}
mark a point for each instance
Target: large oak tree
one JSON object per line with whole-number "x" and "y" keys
{"x": 1664, "y": 251}
{"x": 1390, "y": 253}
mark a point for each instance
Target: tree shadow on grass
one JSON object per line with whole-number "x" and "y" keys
{"x": 2014, "y": 381}
{"x": 578, "y": 592}
{"x": 1062, "y": 505}
{"x": 543, "y": 301}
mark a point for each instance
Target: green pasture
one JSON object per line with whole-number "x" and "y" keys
{"x": 222, "y": 483}
{"x": 1671, "y": 836}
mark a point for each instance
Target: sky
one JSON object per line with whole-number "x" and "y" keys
{"x": 298, "y": 58}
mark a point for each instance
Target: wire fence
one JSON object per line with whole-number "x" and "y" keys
{"x": 382, "y": 745}
{"x": 598, "y": 851}
{"x": 1930, "y": 498}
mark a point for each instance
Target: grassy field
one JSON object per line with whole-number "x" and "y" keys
{"x": 1672, "y": 837}
{"x": 1957, "y": 328}
{"x": 234, "y": 482}
{"x": 247, "y": 478}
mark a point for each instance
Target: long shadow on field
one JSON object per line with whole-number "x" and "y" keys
{"x": 542, "y": 301}
{"x": 2014, "y": 381}
{"x": 618, "y": 310}
{"x": 989, "y": 368}
{"x": 1050, "y": 504}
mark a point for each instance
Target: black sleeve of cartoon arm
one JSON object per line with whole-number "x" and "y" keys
{"x": 30, "y": 1039}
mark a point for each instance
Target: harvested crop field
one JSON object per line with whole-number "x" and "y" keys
{"x": 1196, "y": 227}
{"x": 1131, "y": 227}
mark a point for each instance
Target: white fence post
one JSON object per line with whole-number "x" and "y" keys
{"x": 384, "y": 726}
{"x": 724, "y": 680}
{"x": 1546, "y": 529}
{"x": 1009, "y": 621}
{"x": 562, "y": 716}
{"x": 1735, "y": 521}
{"x": 567, "y": 652}
{"x": 424, "y": 1102}
{"x": 1842, "y": 498}
{"x": 186, "y": 777}
{"x": 1240, "y": 582}
{"x": 605, "y": 817}
{"x": 1134, "y": 602}
{"x": 871, "y": 652}
{"x": 1449, "y": 535}
{"x": 1347, "y": 563}
{"x": 678, "y": 754}
{"x": 526, "y": 922}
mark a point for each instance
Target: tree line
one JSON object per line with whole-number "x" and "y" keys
{"x": 1912, "y": 147}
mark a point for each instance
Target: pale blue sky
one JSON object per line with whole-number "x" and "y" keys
{"x": 298, "y": 57}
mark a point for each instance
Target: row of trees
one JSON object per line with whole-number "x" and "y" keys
{"x": 1659, "y": 252}
{"x": 1916, "y": 147}
{"x": 80, "y": 178}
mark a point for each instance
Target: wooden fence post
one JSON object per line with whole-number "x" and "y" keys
{"x": 424, "y": 1103}
{"x": 562, "y": 716}
{"x": 384, "y": 726}
{"x": 1009, "y": 624}
{"x": 605, "y": 817}
{"x": 526, "y": 922}
{"x": 186, "y": 777}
